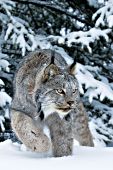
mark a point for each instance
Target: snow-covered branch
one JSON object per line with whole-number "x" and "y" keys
{"x": 101, "y": 125}
{"x": 16, "y": 29}
{"x": 104, "y": 16}
{"x": 95, "y": 88}
{"x": 21, "y": 36}
{"x": 7, "y": 4}
{"x": 82, "y": 37}
{"x": 5, "y": 102}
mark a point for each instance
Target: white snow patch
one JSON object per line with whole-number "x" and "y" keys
{"x": 1, "y": 83}
{"x": 93, "y": 3}
{"x": 12, "y": 157}
{"x": 104, "y": 14}
{"x": 4, "y": 64}
{"x": 4, "y": 98}
{"x": 82, "y": 37}
{"x": 1, "y": 123}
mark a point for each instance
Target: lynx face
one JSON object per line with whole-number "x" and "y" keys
{"x": 58, "y": 91}
{"x": 59, "y": 94}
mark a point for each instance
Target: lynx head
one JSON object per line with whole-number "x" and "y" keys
{"x": 59, "y": 90}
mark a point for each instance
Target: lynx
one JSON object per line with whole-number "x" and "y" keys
{"x": 46, "y": 96}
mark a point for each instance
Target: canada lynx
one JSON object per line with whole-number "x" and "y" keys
{"x": 46, "y": 95}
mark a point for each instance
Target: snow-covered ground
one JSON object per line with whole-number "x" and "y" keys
{"x": 14, "y": 157}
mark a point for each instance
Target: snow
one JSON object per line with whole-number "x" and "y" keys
{"x": 4, "y": 98}
{"x": 4, "y": 64}
{"x": 104, "y": 14}
{"x": 5, "y": 56}
{"x": 86, "y": 158}
{"x": 82, "y": 37}
{"x": 5, "y": 101}
{"x": 41, "y": 42}
{"x": 110, "y": 21}
{"x": 1, "y": 83}
{"x": 1, "y": 123}
{"x": 19, "y": 32}
{"x": 93, "y": 3}
{"x": 95, "y": 88}
{"x": 97, "y": 124}
{"x": 7, "y": 4}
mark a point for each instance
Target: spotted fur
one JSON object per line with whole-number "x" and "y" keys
{"x": 46, "y": 94}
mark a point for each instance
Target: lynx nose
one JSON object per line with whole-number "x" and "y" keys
{"x": 70, "y": 103}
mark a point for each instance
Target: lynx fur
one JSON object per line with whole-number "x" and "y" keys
{"x": 46, "y": 95}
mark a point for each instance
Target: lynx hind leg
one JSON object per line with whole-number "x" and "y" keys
{"x": 81, "y": 129}
{"x": 32, "y": 136}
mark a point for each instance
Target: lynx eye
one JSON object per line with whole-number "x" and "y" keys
{"x": 60, "y": 91}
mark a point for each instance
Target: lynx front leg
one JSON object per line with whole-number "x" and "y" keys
{"x": 81, "y": 130}
{"x": 61, "y": 136}
{"x": 32, "y": 136}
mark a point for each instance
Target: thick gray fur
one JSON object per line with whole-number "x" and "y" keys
{"x": 46, "y": 94}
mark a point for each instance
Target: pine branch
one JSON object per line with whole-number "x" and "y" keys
{"x": 7, "y": 76}
{"x": 54, "y": 7}
{"x": 31, "y": 13}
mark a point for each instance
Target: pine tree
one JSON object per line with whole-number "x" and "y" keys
{"x": 81, "y": 29}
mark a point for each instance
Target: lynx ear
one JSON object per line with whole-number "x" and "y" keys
{"x": 72, "y": 68}
{"x": 50, "y": 70}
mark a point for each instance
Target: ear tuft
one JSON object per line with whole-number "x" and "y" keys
{"x": 52, "y": 57}
{"x": 72, "y": 68}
